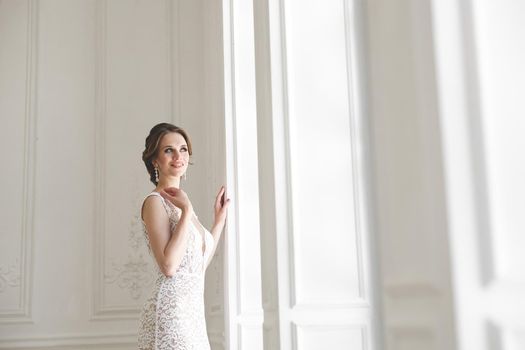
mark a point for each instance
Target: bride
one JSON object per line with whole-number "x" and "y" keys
{"x": 173, "y": 315}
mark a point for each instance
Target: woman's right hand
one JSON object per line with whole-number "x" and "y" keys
{"x": 177, "y": 197}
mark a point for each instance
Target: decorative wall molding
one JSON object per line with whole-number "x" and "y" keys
{"x": 100, "y": 146}
{"x": 354, "y": 44}
{"x": 24, "y": 277}
{"x": 169, "y": 58}
{"x": 70, "y": 341}
{"x": 136, "y": 232}
{"x": 328, "y": 304}
{"x": 135, "y": 273}
{"x": 343, "y": 327}
{"x": 249, "y": 332}
{"x": 173, "y": 21}
{"x": 413, "y": 289}
{"x": 216, "y": 310}
{"x": 401, "y": 334}
{"x": 217, "y": 339}
{"x": 9, "y": 275}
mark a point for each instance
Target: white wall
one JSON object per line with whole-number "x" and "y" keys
{"x": 480, "y": 53}
{"x": 411, "y": 207}
{"x": 82, "y": 83}
{"x": 446, "y": 84}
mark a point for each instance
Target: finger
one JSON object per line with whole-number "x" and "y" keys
{"x": 172, "y": 193}
{"x": 225, "y": 205}
{"x": 165, "y": 194}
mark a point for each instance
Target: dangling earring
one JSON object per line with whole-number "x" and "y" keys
{"x": 156, "y": 175}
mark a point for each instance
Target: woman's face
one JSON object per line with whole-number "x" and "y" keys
{"x": 173, "y": 156}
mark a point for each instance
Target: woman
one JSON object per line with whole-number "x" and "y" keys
{"x": 173, "y": 316}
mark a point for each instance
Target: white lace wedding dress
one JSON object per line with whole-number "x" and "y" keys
{"x": 172, "y": 317}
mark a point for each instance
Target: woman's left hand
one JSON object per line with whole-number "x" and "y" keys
{"x": 221, "y": 206}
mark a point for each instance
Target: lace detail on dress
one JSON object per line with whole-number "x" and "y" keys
{"x": 173, "y": 316}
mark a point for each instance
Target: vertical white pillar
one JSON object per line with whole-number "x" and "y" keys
{"x": 408, "y": 177}
{"x": 480, "y": 53}
{"x": 243, "y": 262}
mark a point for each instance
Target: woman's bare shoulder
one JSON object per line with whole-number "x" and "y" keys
{"x": 153, "y": 206}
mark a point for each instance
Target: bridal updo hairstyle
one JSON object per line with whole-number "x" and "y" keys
{"x": 153, "y": 142}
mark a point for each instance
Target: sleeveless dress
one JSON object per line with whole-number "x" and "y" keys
{"x": 172, "y": 318}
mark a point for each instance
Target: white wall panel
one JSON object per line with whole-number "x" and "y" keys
{"x": 132, "y": 62}
{"x": 514, "y": 339}
{"x": 250, "y": 337}
{"x": 321, "y": 155}
{"x": 479, "y": 53}
{"x": 499, "y": 56}
{"x": 17, "y": 141}
{"x": 330, "y": 337}
{"x": 412, "y": 339}
{"x": 408, "y": 180}
{"x": 64, "y": 183}
{"x": 82, "y": 83}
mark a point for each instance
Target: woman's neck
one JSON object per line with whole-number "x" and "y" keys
{"x": 166, "y": 183}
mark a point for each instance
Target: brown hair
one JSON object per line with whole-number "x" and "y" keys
{"x": 152, "y": 145}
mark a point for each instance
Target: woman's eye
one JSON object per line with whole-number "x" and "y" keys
{"x": 170, "y": 150}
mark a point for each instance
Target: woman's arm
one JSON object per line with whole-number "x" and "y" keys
{"x": 216, "y": 232}
{"x": 168, "y": 247}
{"x": 221, "y": 211}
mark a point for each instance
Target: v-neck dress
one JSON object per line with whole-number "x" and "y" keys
{"x": 173, "y": 315}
